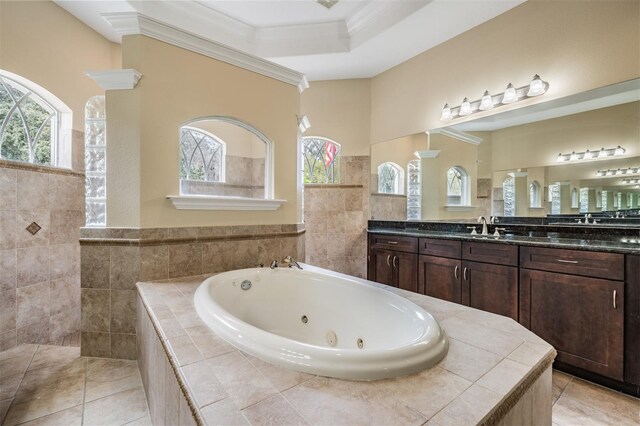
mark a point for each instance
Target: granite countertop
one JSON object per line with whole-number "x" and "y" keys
{"x": 492, "y": 361}
{"x": 630, "y": 245}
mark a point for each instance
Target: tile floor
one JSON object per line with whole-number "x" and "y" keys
{"x": 53, "y": 385}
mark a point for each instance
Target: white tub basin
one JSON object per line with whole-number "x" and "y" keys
{"x": 320, "y": 322}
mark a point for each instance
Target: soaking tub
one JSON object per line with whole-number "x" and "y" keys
{"x": 320, "y": 322}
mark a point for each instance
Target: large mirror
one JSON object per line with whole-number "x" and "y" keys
{"x": 570, "y": 156}
{"x": 223, "y": 156}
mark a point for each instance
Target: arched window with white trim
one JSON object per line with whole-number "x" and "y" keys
{"x": 320, "y": 160}
{"x": 535, "y": 194}
{"x": 202, "y": 155}
{"x": 390, "y": 178}
{"x": 458, "y": 187}
{"x": 509, "y": 196}
{"x": 30, "y": 122}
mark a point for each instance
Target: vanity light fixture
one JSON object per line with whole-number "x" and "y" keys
{"x": 613, "y": 172}
{"x": 631, "y": 181}
{"x": 511, "y": 94}
{"x": 303, "y": 123}
{"x": 589, "y": 155}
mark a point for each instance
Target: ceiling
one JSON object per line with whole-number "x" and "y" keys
{"x": 353, "y": 39}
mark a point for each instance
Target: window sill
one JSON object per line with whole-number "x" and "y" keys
{"x": 457, "y": 208}
{"x": 536, "y": 208}
{"x": 217, "y": 202}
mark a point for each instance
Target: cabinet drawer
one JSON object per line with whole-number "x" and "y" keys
{"x": 442, "y": 248}
{"x": 575, "y": 262}
{"x": 499, "y": 254}
{"x": 392, "y": 242}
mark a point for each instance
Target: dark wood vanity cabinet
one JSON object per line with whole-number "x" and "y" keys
{"x": 491, "y": 288}
{"x": 582, "y": 316}
{"x": 440, "y": 277}
{"x": 393, "y": 261}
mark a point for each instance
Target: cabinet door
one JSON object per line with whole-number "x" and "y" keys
{"x": 492, "y": 288}
{"x": 405, "y": 267}
{"x": 381, "y": 268}
{"x": 581, "y": 317}
{"x": 440, "y": 277}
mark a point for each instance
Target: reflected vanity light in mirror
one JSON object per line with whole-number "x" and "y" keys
{"x": 588, "y": 155}
{"x": 535, "y": 88}
{"x": 612, "y": 172}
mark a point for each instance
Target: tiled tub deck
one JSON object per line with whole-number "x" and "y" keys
{"x": 496, "y": 372}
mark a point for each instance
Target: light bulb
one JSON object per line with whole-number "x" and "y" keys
{"x": 537, "y": 87}
{"x": 486, "y": 102}
{"x": 446, "y": 113}
{"x": 600, "y": 173}
{"x": 465, "y": 107}
{"x": 510, "y": 95}
{"x": 588, "y": 155}
{"x": 560, "y": 158}
{"x": 602, "y": 153}
{"x": 619, "y": 150}
{"x": 574, "y": 156}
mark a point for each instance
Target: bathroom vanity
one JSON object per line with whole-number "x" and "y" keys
{"x": 581, "y": 295}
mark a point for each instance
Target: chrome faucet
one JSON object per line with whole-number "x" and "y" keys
{"x": 292, "y": 262}
{"x": 274, "y": 264}
{"x": 483, "y": 221}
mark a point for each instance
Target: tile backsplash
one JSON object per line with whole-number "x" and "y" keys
{"x": 113, "y": 260}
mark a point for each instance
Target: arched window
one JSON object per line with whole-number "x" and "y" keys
{"x": 509, "y": 196}
{"x": 202, "y": 155}
{"x": 390, "y": 178}
{"x": 321, "y": 160}
{"x": 555, "y": 197}
{"x": 535, "y": 194}
{"x": 584, "y": 200}
{"x": 414, "y": 190}
{"x": 30, "y": 120}
{"x": 458, "y": 191}
{"x": 605, "y": 200}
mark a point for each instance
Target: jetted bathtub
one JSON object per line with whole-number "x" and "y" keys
{"x": 320, "y": 322}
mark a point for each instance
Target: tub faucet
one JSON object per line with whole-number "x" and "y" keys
{"x": 292, "y": 262}
{"x": 274, "y": 264}
{"x": 483, "y": 221}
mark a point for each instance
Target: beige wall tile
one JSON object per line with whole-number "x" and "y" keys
{"x": 65, "y": 294}
{"x": 64, "y": 227}
{"x": 96, "y": 310}
{"x": 125, "y": 267}
{"x": 64, "y": 323}
{"x": 123, "y": 311}
{"x": 35, "y": 332}
{"x": 8, "y": 184}
{"x": 32, "y": 190}
{"x": 154, "y": 263}
{"x": 95, "y": 344}
{"x": 94, "y": 266}
{"x": 7, "y": 229}
{"x": 245, "y": 254}
{"x": 24, "y": 218}
{"x": 8, "y": 266}
{"x": 123, "y": 346}
{"x": 7, "y": 310}
{"x": 63, "y": 192}
{"x": 33, "y": 304}
{"x": 217, "y": 256}
{"x": 185, "y": 260}
{"x": 64, "y": 260}
{"x": 33, "y": 265}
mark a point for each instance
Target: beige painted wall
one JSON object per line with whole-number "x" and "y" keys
{"x": 42, "y": 42}
{"x": 574, "y": 45}
{"x": 193, "y": 86}
{"x": 340, "y": 110}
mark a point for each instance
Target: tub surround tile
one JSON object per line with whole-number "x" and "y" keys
{"x": 96, "y": 310}
{"x": 24, "y": 218}
{"x": 119, "y": 408}
{"x": 8, "y": 188}
{"x": 95, "y": 267}
{"x": 32, "y": 265}
{"x": 243, "y": 387}
{"x": 125, "y": 267}
{"x": 224, "y": 412}
{"x": 123, "y": 311}
{"x": 274, "y": 411}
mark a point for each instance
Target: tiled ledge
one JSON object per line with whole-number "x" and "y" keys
{"x": 331, "y": 186}
{"x": 161, "y": 236}
{"x": 18, "y": 165}
{"x": 495, "y": 369}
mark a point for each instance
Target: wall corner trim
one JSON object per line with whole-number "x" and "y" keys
{"x": 115, "y": 79}
{"x": 130, "y": 23}
{"x": 428, "y": 154}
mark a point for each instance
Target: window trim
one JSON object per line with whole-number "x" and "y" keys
{"x": 465, "y": 187}
{"x": 537, "y": 195}
{"x": 399, "y": 182}
{"x": 338, "y": 156}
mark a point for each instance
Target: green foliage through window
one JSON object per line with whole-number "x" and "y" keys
{"x": 27, "y": 124}
{"x": 321, "y": 161}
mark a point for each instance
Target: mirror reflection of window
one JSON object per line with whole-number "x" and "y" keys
{"x": 321, "y": 160}
{"x": 509, "y": 196}
{"x": 390, "y": 178}
{"x": 535, "y": 194}
{"x": 575, "y": 202}
{"x": 414, "y": 189}
{"x": 457, "y": 186}
{"x": 222, "y": 156}
{"x": 584, "y": 200}
{"x": 605, "y": 200}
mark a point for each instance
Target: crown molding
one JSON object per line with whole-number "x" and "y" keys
{"x": 428, "y": 154}
{"x": 135, "y": 23}
{"x": 115, "y": 79}
{"x": 457, "y": 134}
